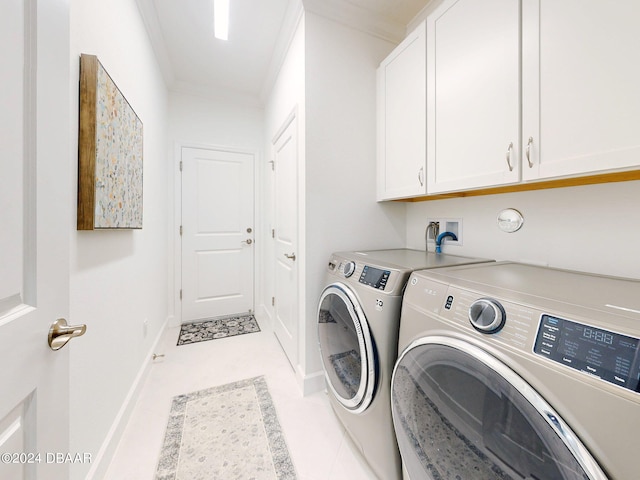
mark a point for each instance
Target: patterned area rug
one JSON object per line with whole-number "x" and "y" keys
{"x": 217, "y": 328}
{"x": 227, "y": 432}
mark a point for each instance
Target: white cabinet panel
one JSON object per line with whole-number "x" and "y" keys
{"x": 402, "y": 120}
{"x": 473, "y": 102}
{"x": 581, "y": 94}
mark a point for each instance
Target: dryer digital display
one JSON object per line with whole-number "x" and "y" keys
{"x": 374, "y": 277}
{"x": 613, "y": 357}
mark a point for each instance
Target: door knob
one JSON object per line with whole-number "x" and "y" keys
{"x": 247, "y": 241}
{"x": 291, "y": 257}
{"x": 60, "y": 333}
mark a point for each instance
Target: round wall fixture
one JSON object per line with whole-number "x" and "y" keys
{"x": 510, "y": 220}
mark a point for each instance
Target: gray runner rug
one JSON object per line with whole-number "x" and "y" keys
{"x": 226, "y": 432}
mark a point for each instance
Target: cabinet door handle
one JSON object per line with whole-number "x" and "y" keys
{"x": 528, "y": 152}
{"x": 421, "y": 176}
{"x": 509, "y": 148}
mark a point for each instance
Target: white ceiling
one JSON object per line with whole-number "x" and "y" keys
{"x": 192, "y": 59}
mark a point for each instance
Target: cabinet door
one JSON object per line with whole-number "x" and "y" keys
{"x": 402, "y": 120}
{"x": 581, "y": 86}
{"x": 473, "y": 99}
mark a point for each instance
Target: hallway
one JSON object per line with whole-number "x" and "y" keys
{"x": 319, "y": 447}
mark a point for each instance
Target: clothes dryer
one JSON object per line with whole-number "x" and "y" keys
{"x": 513, "y": 371}
{"x": 358, "y": 323}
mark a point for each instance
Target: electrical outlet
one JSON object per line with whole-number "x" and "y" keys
{"x": 453, "y": 225}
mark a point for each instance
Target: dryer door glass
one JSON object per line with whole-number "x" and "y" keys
{"x": 459, "y": 413}
{"x": 346, "y": 347}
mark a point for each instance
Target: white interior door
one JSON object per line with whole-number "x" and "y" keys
{"x": 285, "y": 237}
{"x": 217, "y": 233}
{"x": 34, "y": 237}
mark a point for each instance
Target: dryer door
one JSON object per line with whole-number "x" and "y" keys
{"x": 460, "y": 413}
{"x": 346, "y": 347}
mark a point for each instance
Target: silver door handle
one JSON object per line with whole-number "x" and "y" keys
{"x": 421, "y": 176}
{"x": 248, "y": 241}
{"x": 291, "y": 257}
{"x": 60, "y": 333}
{"x": 509, "y": 148}
{"x": 529, "y": 152}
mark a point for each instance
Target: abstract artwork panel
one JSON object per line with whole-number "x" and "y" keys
{"x": 110, "y": 160}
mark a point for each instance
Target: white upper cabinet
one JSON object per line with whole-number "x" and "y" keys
{"x": 473, "y": 94}
{"x": 401, "y": 135}
{"x": 580, "y": 87}
{"x": 516, "y": 91}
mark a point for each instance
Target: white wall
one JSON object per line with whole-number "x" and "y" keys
{"x": 340, "y": 183}
{"x": 592, "y": 228}
{"x": 118, "y": 278}
{"x": 328, "y": 78}
{"x": 199, "y": 120}
{"x": 204, "y": 122}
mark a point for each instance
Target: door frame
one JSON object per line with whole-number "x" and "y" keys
{"x": 175, "y": 220}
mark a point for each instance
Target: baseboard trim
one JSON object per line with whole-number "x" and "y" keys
{"x": 112, "y": 440}
{"x": 263, "y": 315}
{"x": 310, "y": 383}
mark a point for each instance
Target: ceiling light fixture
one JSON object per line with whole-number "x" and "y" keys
{"x": 221, "y": 19}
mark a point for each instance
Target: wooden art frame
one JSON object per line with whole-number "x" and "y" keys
{"x": 110, "y": 160}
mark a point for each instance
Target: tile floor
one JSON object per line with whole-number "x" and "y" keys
{"x": 318, "y": 444}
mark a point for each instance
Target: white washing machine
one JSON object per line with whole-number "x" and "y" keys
{"x": 358, "y": 316}
{"x": 513, "y": 371}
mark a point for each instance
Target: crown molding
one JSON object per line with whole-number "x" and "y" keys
{"x": 152, "y": 24}
{"x": 358, "y": 18}
{"x": 293, "y": 17}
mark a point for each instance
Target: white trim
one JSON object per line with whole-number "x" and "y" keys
{"x": 288, "y": 120}
{"x": 358, "y": 18}
{"x": 149, "y": 17}
{"x": 310, "y": 383}
{"x": 109, "y": 446}
{"x": 292, "y": 18}
{"x": 175, "y": 282}
{"x": 264, "y": 316}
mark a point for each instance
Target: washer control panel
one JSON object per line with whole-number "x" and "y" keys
{"x": 379, "y": 277}
{"x": 506, "y": 322}
{"x": 374, "y": 277}
{"x": 611, "y": 356}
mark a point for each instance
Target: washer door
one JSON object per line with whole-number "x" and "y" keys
{"x": 460, "y": 413}
{"x": 346, "y": 347}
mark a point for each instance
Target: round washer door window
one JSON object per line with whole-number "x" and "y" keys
{"x": 346, "y": 347}
{"x": 459, "y": 413}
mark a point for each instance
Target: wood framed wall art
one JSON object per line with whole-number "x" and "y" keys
{"x": 109, "y": 153}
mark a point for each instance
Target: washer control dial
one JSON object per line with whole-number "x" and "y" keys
{"x": 487, "y": 315}
{"x": 349, "y": 268}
